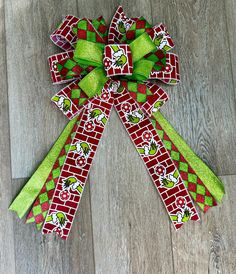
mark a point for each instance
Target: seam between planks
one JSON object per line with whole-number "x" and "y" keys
{"x": 8, "y": 123}
{"x": 91, "y": 221}
{"x": 230, "y": 52}
{"x": 172, "y": 249}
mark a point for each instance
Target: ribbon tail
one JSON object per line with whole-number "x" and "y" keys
{"x": 157, "y": 160}
{"x": 27, "y": 195}
{"x": 76, "y": 167}
{"x": 213, "y": 184}
{"x": 198, "y": 191}
{"x": 41, "y": 204}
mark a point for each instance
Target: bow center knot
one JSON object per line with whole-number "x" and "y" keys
{"x": 117, "y": 60}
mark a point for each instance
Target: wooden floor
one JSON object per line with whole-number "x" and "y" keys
{"x": 121, "y": 226}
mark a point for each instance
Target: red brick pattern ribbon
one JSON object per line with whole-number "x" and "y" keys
{"x": 76, "y": 167}
{"x": 156, "y": 159}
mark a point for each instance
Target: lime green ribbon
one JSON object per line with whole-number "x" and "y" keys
{"x": 211, "y": 181}
{"x": 91, "y": 54}
{"x": 32, "y": 188}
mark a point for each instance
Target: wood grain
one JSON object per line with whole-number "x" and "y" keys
{"x": 7, "y": 256}
{"x": 230, "y": 6}
{"x": 33, "y": 120}
{"x": 202, "y": 106}
{"x": 35, "y": 253}
{"x": 210, "y": 246}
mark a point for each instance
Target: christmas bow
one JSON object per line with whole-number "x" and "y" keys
{"x": 106, "y": 69}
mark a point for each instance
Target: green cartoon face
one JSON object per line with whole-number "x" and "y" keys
{"x": 61, "y": 218}
{"x": 153, "y": 148}
{"x": 63, "y": 103}
{"x": 69, "y": 181}
{"x": 158, "y": 104}
{"x": 121, "y": 61}
{"x": 158, "y": 40}
{"x": 186, "y": 216}
{"x": 133, "y": 119}
{"x": 57, "y": 218}
{"x": 85, "y": 148}
{"x": 121, "y": 27}
{"x": 167, "y": 183}
{"x": 66, "y": 105}
{"x": 95, "y": 113}
{"x": 98, "y": 115}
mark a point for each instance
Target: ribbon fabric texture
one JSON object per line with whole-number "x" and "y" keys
{"x": 109, "y": 68}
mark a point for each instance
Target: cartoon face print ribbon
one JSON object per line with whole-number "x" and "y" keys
{"x": 107, "y": 68}
{"x": 157, "y": 160}
{"x": 76, "y": 167}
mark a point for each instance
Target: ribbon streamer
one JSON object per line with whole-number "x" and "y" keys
{"x": 109, "y": 68}
{"x": 157, "y": 160}
{"x": 76, "y": 167}
{"x": 30, "y": 191}
{"x": 41, "y": 204}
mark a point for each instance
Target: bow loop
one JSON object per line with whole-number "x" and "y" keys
{"x": 142, "y": 70}
{"x": 85, "y": 30}
{"x": 88, "y": 53}
{"x": 93, "y": 83}
{"x": 116, "y": 59}
{"x": 142, "y": 57}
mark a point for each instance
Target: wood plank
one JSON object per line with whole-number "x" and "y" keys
{"x": 131, "y": 229}
{"x": 6, "y": 224}
{"x": 210, "y": 246}
{"x": 50, "y": 254}
{"x": 230, "y": 7}
{"x": 34, "y": 123}
{"x": 108, "y": 8}
{"x": 202, "y": 106}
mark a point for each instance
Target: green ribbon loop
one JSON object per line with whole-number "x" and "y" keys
{"x": 89, "y": 53}
{"x": 141, "y": 70}
{"x": 141, "y": 46}
{"x": 93, "y": 82}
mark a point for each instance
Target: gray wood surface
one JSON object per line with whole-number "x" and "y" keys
{"x": 230, "y": 6}
{"x": 121, "y": 226}
{"x": 202, "y": 106}
{"x": 212, "y": 246}
{"x": 7, "y": 253}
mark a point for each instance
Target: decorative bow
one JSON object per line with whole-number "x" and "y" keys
{"x": 109, "y": 69}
